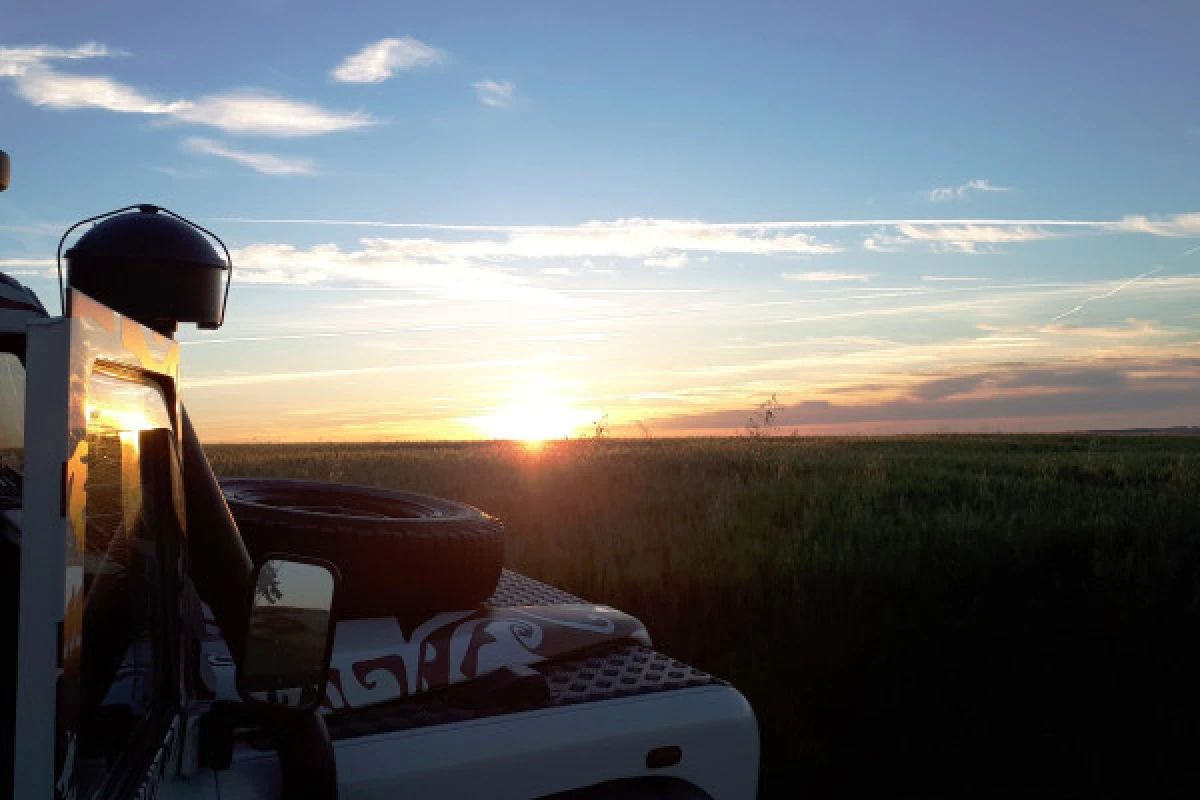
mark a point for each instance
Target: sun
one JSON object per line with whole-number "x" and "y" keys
{"x": 536, "y": 416}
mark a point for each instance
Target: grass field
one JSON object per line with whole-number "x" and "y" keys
{"x": 953, "y": 615}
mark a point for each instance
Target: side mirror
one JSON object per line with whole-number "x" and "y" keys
{"x": 4, "y": 170}
{"x": 289, "y": 633}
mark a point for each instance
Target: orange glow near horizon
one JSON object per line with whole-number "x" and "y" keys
{"x": 537, "y": 415}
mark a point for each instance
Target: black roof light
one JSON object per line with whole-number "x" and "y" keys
{"x": 152, "y": 265}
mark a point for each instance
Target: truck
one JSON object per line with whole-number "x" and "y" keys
{"x": 373, "y": 647}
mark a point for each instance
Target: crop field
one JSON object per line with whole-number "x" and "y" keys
{"x": 978, "y": 616}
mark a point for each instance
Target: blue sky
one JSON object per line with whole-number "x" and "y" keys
{"x": 462, "y": 220}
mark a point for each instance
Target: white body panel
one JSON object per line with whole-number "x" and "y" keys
{"x": 531, "y": 754}
{"x": 61, "y": 356}
{"x": 43, "y": 554}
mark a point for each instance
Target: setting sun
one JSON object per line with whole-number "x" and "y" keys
{"x": 538, "y": 415}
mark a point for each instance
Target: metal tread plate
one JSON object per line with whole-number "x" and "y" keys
{"x": 619, "y": 670}
{"x": 515, "y": 589}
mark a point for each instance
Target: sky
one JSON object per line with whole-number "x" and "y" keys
{"x": 458, "y": 220}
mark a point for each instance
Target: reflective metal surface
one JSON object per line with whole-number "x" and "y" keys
{"x": 286, "y": 657}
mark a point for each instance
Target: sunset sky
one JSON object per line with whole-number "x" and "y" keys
{"x": 507, "y": 220}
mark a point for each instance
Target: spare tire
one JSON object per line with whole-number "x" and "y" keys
{"x": 400, "y": 553}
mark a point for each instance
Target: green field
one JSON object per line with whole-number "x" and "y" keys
{"x": 950, "y": 615}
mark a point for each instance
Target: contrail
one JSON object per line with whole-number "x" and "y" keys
{"x": 1104, "y": 296}
{"x": 670, "y": 223}
{"x": 219, "y": 381}
{"x": 1124, "y": 285}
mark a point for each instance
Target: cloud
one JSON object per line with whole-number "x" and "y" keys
{"x": 824, "y": 277}
{"x": 221, "y": 381}
{"x": 1134, "y": 329}
{"x": 761, "y": 228}
{"x": 1045, "y": 396}
{"x": 265, "y": 163}
{"x": 661, "y": 239}
{"x": 479, "y": 266}
{"x": 16, "y": 61}
{"x": 245, "y": 111}
{"x": 493, "y": 93}
{"x": 48, "y": 88}
{"x": 654, "y": 239}
{"x": 252, "y": 111}
{"x": 677, "y": 261}
{"x": 426, "y": 265}
{"x": 26, "y": 263}
{"x": 964, "y": 238}
{"x": 378, "y": 61}
{"x": 662, "y": 243}
{"x": 1176, "y": 225}
{"x": 959, "y": 192}
{"x": 985, "y": 234}
{"x": 953, "y": 279}
{"x": 880, "y": 243}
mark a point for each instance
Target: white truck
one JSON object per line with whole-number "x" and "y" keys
{"x": 148, "y": 656}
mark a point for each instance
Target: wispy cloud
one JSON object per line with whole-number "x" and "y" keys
{"x": 959, "y": 192}
{"x": 1176, "y": 225}
{"x": 266, "y": 163}
{"x": 482, "y": 265}
{"x": 16, "y": 61}
{"x": 651, "y": 238}
{"x": 825, "y": 277}
{"x": 1045, "y": 396}
{"x": 45, "y": 87}
{"x": 423, "y": 265}
{"x": 763, "y": 227}
{"x": 252, "y": 111}
{"x": 246, "y": 111}
{"x": 663, "y": 242}
{"x": 953, "y": 279}
{"x": 380, "y": 60}
{"x": 1134, "y": 328}
{"x": 60, "y": 91}
{"x": 676, "y": 261}
{"x": 409, "y": 261}
{"x": 965, "y": 238}
{"x": 284, "y": 377}
{"x": 494, "y": 93}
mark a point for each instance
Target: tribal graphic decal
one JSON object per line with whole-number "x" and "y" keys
{"x": 374, "y": 661}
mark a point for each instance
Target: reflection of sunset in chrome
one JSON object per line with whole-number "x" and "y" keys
{"x": 118, "y": 404}
{"x": 119, "y": 420}
{"x": 539, "y": 413}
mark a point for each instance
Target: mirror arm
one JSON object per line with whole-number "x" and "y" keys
{"x": 219, "y": 567}
{"x": 216, "y": 735}
{"x": 307, "y": 759}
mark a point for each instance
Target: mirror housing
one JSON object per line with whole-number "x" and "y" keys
{"x": 5, "y": 167}
{"x": 289, "y": 633}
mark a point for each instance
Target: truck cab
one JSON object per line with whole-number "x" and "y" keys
{"x": 129, "y": 614}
